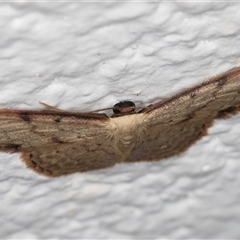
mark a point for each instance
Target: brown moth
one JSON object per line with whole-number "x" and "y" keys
{"x": 55, "y": 143}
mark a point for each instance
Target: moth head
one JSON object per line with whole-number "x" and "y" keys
{"x": 123, "y": 108}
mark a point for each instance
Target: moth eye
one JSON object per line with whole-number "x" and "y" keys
{"x": 124, "y": 107}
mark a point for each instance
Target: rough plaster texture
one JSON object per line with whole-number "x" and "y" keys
{"x": 85, "y": 56}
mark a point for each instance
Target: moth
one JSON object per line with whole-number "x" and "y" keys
{"x": 54, "y": 143}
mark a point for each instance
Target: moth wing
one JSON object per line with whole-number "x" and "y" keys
{"x": 173, "y": 125}
{"x": 163, "y": 140}
{"x": 56, "y": 143}
{"x": 61, "y": 159}
{"x": 22, "y": 129}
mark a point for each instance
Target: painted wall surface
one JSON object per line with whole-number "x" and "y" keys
{"x": 86, "y": 56}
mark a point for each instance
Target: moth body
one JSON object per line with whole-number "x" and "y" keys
{"x": 127, "y": 133}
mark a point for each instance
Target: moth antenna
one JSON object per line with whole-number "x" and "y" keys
{"x": 49, "y": 106}
{"x": 101, "y": 109}
{"x": 97, "y": 110}
{"x": 57, "y": 109}
{"x": 140, "y": 108}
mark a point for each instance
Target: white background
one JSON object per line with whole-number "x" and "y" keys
{"x": 86, "y": 56}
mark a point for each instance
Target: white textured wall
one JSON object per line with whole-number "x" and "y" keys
{"x": 85, "y": 56}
